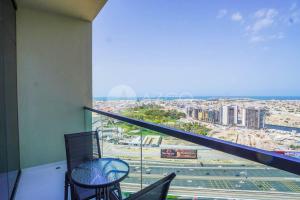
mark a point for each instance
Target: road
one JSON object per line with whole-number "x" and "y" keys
{"x": 184, "y": 177}
{"x": 213, "y": 174}
{"x": 232, "y": 182}
{"x": 221, "y": 194}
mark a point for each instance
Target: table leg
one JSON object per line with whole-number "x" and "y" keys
{"x": 102, "y": 193}
{"x": 98, "y": 194}
{"x": 107, "y": 192}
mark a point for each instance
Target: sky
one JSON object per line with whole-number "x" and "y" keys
{"x": 197, "y": 48}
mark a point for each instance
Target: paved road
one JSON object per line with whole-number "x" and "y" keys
{"x": 227, "y": 177}
{"x": 212, "y": 170}
{"x": 185, "y": 177}
{"x": 190, "y": 193}
{"x": 230, "y": 182}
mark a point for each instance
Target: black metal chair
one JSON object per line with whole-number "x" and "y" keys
{"x": 156, "y": 191}
{"x": 81, "y": 147}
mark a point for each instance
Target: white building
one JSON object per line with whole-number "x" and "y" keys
{"x": 229, "y": 115}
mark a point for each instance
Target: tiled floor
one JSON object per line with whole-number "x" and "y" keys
{"x": 44, "y": 182}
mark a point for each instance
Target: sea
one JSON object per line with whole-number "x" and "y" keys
{"x": 202, "y": 98}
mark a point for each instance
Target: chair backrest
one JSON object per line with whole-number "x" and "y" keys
{"x": 81, "y": 147}
{"x": 156, "y": 191}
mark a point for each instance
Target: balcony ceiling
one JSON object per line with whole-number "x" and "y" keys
{"x": 82, "y": 9}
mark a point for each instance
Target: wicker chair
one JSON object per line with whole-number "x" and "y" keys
{"x": 81, "y": 147}
{"x": 156, "y": 191}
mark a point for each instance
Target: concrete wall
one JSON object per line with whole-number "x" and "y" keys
{"x": 54, "y": 58}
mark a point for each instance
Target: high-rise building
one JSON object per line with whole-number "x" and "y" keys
{"x": 254, "y": 118}
{"x": 243, "y": 117}
{"x": 262, "y": 117}
{"x": 216, "y": 117}
{"x": 211, "y": 116}
{"x": 220, "y": 115}
{"x": 189, "y": 111}
{"x": 229, "y": 115}
{"x": 195, "y": 113}
{"x": 200, "y": 115}
{"x": 205, "y": 115}
{"x": 225, "y": 115}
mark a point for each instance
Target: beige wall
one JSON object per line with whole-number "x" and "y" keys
{"x": 54, "y": 57}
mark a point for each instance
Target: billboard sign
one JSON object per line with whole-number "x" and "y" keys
{"x": 178, "y": 153}
{"x": 294, "y": 154}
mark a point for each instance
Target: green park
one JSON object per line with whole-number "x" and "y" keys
{"x": 158, "y": 115}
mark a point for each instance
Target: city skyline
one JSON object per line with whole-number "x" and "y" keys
{"x": 216, "y": 48}
{"x": 230, "y": 115}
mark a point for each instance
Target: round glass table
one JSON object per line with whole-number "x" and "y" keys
{"x": 100, "y": 174}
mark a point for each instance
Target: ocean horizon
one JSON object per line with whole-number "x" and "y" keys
{"x": 201, "y": 98}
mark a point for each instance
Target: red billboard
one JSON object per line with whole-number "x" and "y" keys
{"x": 294, "y": 154}
{"x": 178, "y": 153}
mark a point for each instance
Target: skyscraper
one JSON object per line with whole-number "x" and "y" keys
{"x": 229, "y": 115}
{"x": 254, "y": 118}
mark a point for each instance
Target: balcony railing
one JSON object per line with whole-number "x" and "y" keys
{"x": 205, "y": 167}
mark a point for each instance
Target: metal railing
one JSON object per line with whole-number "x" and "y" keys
{"x": 286, "y": 163}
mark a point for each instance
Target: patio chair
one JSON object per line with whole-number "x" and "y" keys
{"x": 156, "y": 191}
{"x": 81, "y": 147}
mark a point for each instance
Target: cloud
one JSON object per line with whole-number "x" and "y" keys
{"x": 277, "y": 36}
{"x": 265, "y": 13}
{"x": 257, "y": 39}
{"x": 264, "y": 18}
{"x": 265, "y": 38}
{"x": 237, "y": 17}
{"x": 266, "y": 24}
{"x": 261, "y": 24}
{"x": 222, "y": 13}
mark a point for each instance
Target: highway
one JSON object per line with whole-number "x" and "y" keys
{"x": 213, "y": 175}
{"x": 217, "y": 181}
{"x": 205, "y": 193}
{"x": 185, "y": 177}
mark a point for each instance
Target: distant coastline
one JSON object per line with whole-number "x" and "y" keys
{"x": 202, "y": 98}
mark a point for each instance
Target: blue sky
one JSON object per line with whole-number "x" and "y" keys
{"x": 197, "y": 48}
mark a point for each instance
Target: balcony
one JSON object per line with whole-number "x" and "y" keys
{"x": 46, "y": 79}
{"x": 207, "y": 168}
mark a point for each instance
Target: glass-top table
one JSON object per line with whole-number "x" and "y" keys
{"x": 100, "y": 173}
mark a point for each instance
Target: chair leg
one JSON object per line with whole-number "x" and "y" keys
{"x": 118, "y": 187}
{"x": 66, "y": 187}
{"x": 114, "y": 196}
{"x": 115, "y": 192}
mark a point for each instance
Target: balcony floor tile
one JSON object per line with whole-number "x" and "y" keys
{"x": 42, "y": 182}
